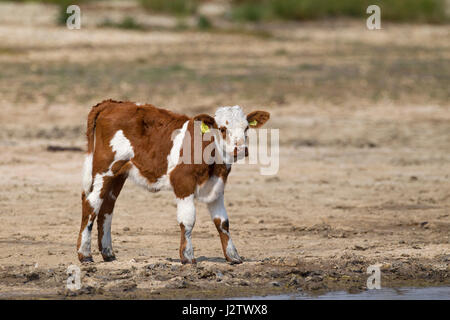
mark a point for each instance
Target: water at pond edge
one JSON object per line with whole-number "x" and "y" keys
{"x": 407, "y": 293}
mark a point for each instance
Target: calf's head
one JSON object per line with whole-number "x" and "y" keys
{"x": 233, "y": 124}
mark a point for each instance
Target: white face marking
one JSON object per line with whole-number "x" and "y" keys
{"x": 123, "y": 151}
{"x": 139, "y": 104}
{"x": 210, "y": 190}
{"x": 87, "y": 174}
{"x": 235, "y": 122}
{"x": 106, "y": 239}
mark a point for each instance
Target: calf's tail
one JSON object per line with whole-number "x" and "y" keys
{"x": 90, "y": 134}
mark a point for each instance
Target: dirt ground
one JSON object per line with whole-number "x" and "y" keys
{"x": 364, "y": 177}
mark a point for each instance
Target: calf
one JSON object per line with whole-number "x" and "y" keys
{"x": 137, "y": 141}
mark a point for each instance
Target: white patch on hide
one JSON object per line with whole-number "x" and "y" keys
{"x": 121, "y": 146}
{"x": 174, "y": 154}
{"x": 94, "y": 197}
{"x": 210, "y": 190}
{"x": 123, "y": 150}
{"x": 87, "y": 174}
{"x": 161, "y": 184}
{"x": 217, "y": 209}
{"x": 186, "y": 211}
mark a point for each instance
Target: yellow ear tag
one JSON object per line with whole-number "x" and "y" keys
{"x": 204, "y": 128}
{"x": 253, "y": 123}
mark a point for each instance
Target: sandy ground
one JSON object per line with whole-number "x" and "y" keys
{"x": 364, "y": 171}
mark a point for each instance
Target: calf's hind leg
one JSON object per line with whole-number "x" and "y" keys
{"x": 84, "y": 237}
{"x": 100, "y": 201}
{"x": 111, "y": 192}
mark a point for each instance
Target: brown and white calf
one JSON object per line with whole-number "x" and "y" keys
{"x": 130, "y": 140}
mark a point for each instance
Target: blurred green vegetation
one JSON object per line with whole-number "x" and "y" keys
{"x": 430, "y": 11}
{"x": 62, "y": 16}
{"x": 426, "y": 11}
{"x": 58, "y": 2}
{"x": 127, "y": 23}
{"x": 177, "y": 7}
{"x": 204, "y": 23}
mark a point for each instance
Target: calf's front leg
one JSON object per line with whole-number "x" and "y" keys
{"x": 219, "y": 216}
{"x": 186, "y": 220}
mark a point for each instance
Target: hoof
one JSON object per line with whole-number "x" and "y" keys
{"x": 187, "y": 261}
{"x": 234, "y": 261}
{"x": 233, "y": 257}
{"x": 109, "y": 258}
{"x": 84, "y": 259}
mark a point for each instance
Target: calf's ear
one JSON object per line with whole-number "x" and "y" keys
{"x": 208, "y": 122}
{"x": 257, "y": 118}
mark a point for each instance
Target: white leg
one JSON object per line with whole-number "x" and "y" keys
{"x": 186, "y": 220}
{"x": 85, "y": 245}
{"x": 220, "y": 218}
{"x": 107, "y": 251}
